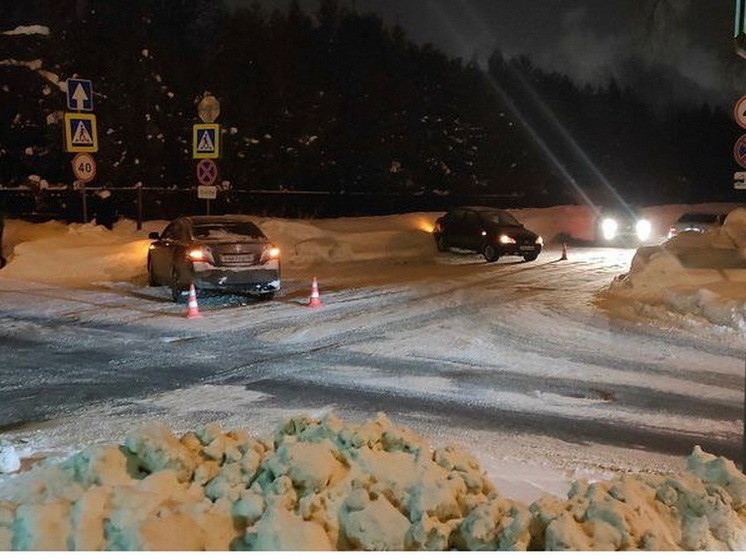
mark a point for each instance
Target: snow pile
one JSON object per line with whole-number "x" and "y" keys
{"x": 28, "y": 30}
{"x": 85, "y": 254}
{"x": 74, "y": 254}
{"x": 704, "y": 509}
{"x": 331, "y": 485}
{"x": 699, "y": 274}
{"x": 402, "y": 237}
{"x": 318, "y": 485}
{"x": 9, "y": 459}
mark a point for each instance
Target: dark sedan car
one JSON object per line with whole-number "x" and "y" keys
{"x": 490, "y": 231}
{"x": 696, "y": 223}
{"x": 214, "y": 252}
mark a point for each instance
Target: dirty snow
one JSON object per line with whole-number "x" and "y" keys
{"x": 327, "y": 484}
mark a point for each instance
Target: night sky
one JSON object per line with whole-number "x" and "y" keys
{"x": 687, "y": 43}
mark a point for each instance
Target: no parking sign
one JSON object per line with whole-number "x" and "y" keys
{"x": 739, "y": 151}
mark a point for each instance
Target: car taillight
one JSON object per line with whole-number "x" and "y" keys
{"x": 271, "y": 253}
{"x": 197, "y": 255}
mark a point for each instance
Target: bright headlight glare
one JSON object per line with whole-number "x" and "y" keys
{"x": 609, "y": 228}
{"x": 643, "y": 229}
{"x": 197, "y": 254}
{"x": 274, "y": 252}
{"x": 506, "y": 240}
{"x": 539, "y": 240}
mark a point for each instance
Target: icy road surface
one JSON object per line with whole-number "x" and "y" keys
{"x": 509, "y": 359}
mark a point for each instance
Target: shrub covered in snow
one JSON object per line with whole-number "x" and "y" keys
{"x": 331, "y": 485}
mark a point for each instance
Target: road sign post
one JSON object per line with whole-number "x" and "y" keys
{"x": 139, "y": 206}
{"x": 207, "y": 172}
{"x": 739, "y": 28}
{"x": 79, "y": 95}
{"x": 208, "y": 109}
{"x": 206, "y": 141}
{"x": 207, "y": 193}
{"x": 80, "y": 133}
{"x": 84, "y": 167}
{"x": 739, "y": 153}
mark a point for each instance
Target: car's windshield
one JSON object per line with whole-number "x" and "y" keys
{"x": 226, "y": 231}
{"x": 698, "y": 218}
{"x": 501, "y": 218}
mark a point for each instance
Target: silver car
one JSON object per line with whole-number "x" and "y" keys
{"x": 228, "y": 253}
{"x": 696, "y": 223}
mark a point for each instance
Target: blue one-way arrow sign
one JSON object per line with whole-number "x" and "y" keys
{"x": 79, "y": 95}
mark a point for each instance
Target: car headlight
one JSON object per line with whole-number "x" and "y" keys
{"x": 539, "y": 240}
{"x": 506, "y": 240}
{"x": 643, "y": 229}
{"x": 609, "y": 227}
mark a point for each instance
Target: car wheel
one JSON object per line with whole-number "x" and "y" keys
{"x": 265, "y": 296}
{"x": 531, "y": 257}
{"x": 178, "y": 291}
{"x": 441, "y": 243}
{"x": 490, "y": 253}
{"x": 151, "y": 276}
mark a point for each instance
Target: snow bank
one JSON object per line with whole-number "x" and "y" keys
{"x": 331, "y": 485}
{"x": 28, "y": 30}
{"x": 698, "y": 274}
{"x": 76, "y": 254}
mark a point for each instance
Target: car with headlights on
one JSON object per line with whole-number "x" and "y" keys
{"x": 228, "y": 253}
{"x": 490, "y": 231}
{"x": 696, "y": 223}
{"x": 622, "y": 225}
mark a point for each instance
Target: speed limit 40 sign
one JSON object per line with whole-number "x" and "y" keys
{"x": 84, "y": 167}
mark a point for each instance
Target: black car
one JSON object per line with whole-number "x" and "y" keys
{"x": 214, "y": 252}
{"x": 696, "y": 223}
{"x": 490, "y": 231}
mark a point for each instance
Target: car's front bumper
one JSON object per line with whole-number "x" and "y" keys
{"x": 519, "y": 249}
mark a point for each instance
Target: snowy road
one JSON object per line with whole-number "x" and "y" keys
{"x": 500, "y": 356}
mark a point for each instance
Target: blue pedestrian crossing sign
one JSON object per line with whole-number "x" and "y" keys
{"x": 79, "y": 95}
{"x": 80, "y": 133}
{"x": 206, "y": 141}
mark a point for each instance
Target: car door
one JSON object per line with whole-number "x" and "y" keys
{"x": 455, "y": 228}
{"x": 162, "y": 252}
{"x": 472, "y": 231}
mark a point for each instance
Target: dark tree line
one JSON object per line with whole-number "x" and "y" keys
{"x": 335, "y": 101}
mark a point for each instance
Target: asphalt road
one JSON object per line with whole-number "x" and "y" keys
{"x": 531, "y": 356}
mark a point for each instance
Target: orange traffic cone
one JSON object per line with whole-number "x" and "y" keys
{"x": 192, "y": 307}
{"x": 564, "y": 251}
{"x": 314, "y": 301}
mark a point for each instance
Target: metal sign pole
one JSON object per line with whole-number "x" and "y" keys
{"x": 208, "y": 206}
{"x": 139, "y": 206}
{"x": 85, "y": 202}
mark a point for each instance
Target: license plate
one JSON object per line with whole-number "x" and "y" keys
{"x": 528, "y": 247}
{"x": 237, "y": 258}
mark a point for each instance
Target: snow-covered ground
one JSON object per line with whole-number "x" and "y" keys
{"x": 546, "y": 373}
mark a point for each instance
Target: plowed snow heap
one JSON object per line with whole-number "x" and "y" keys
{"x": 327, "y": 484}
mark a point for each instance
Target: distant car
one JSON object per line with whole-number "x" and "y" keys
{"x": 489, "y": 231}
{"x": 624, "y": 225}
{"x": 696, "y": 223}
{"x": 214, "y": 252}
